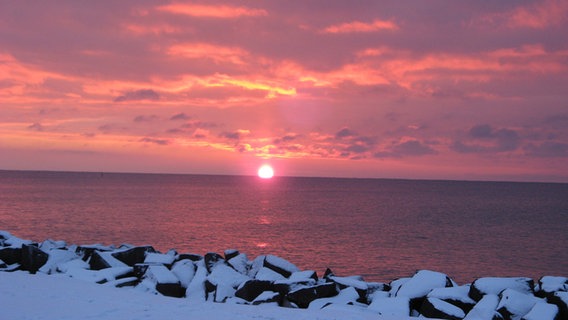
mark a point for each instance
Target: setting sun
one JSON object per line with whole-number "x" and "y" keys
{"x": 265, "y": 172}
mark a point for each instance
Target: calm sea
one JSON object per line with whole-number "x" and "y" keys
{"x": 381, "y": 229}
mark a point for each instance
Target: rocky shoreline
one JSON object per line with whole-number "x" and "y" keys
{"x": 233, "y": 278}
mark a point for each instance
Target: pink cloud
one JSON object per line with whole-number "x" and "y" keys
{"x": 211, "y": 11}
{"x": 358, "y": 26}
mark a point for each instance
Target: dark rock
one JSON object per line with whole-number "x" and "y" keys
{"x": 303, "y": 297}
{"x": 211, "y": 259}
{"x": 495, "y": 285}
{"x": 267, "y": 297}
{"x": 279, "y": 265}
{"x": 328, "y": 273}
{"x": 166, "y": 281}
{"x": 230, "y": 254}
{"x": 436, "y": 308}
{"x": 549, "y": 285}
{"x": 355, "y": 282}
{"x": 171, "y": 289}
{"x": 560, "y": 299}
{"x": 97, "y": 262}
{"x": 189, "y": 256}
{"x": 33, "y": 258}
{"x": 251, "y": 289}
{"x": 11, "y": 255}
{"x": 140, "y": 269}
{"x": 458, "y": 296}
{"x": 134, "y": 255}
{"x": 210, "y": 289}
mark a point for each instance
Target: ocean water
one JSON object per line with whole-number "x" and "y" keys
{"x": 380, "y": 229}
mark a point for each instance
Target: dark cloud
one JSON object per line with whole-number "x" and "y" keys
{"x": 230, "y": 135}
{"x": 548, "y": 149}
{"x": 138, "y": 95}
{"x": 344, "y": 133}
{"x": 180, "y": 116}
{"x": 145, "y": 118}
{"x": 410, "y": 148}
{"x": 161, "y": 142}
{"x": 36, "y": 126}
{"x": 285, "y": 138}
{"x": 485, "y": 138}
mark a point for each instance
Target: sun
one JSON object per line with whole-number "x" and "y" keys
{"x": 265, "y": 172}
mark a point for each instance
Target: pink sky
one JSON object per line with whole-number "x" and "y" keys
{"x": 381, "y": 89}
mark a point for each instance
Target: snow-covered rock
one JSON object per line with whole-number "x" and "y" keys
{"x": 133, "y": 255}
{"x": 267, "y": 297}
{"x": 437, "y": 308}
{"x": 57, "y": 256}
{"x": 422, "y": 283}
{"x": 226, "y": 280}
{"x": 514, "y": 304}
{"x": 184, "y": 271}
{"x": 240, "y": 263}
{"x": 485, "y": 309}
{"x": 304, "y": 296}
{"x": 457, "y": 296}
{"x": 268, "y": 274}
{"x": 542, "y": 311}
{"x": 394, "y": 306}
{"x": 348, "y": 295}
{"x": 159, "y": 258}
{"x": 104, "y": 259}
{"x": 32, "y": 258}
{"x": 560, "y": 299}
{"x": 279, "y": 265}
{"x": 495, "y": 285}
{"x": 251, "y": 289}
{"x": 549, "y": 284}
{"x": 195, "y": 291}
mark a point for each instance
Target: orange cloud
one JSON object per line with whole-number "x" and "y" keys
{"x": 212, "y": 11}
{"x": 357, "y": 26}
{"x": 537, "y": 15}
{"x": 208, "y": 51}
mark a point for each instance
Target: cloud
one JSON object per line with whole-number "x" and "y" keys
{"x": 548, "y": 149}
{"x": 408, "y": 148}
{"x": 161, "y": 142}
{"x": 36, "y": 126}
{"x": 235, "y": 135}
{"x": 215, "y": 53}
{"x": 485, "y": 138}
{"x": 344, "y": 133}
{"x": 211, "y": 11}
{"x": 144, "y": 118}
{"x": 180, "y": 116}
{"x": 537, "y": 15}
{"x": 138, "y": 95}
{"x": 358, "y": 26}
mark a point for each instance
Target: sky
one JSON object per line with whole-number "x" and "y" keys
{"x": 473, "y": 90}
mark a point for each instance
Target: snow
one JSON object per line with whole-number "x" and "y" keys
{"x": 161, "y": 274}
{"x": 459, "y": 293}
{"x": 422, "y": 283}
{"x": 542, "y": 311}
{"x": 159, "y": 258}
{"x": 184, "y": 270}
{"x": 516, "y": 303}
{"x": 552, "y": 284}
{"x": 496, "y": 285}
{"x": 484, "y": 309}
{"x": 42, "y": 297}
{"x": 268, "y": 274}
{"x": 397, "y": 306}
{"x": 345, "y": 296}
{"x": 447, "y": 308}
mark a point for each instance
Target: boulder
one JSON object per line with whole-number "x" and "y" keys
{"x": 133, "y": 255}
{"x": 166, "y": 281}
{"x": 267, "y": 297}
{"x": 560, "y": 299}
{"x": 240, "y": 263}
{"x": 485, "y": 309}
{"x": 195, "y": 291}
{"x": 349, "y": 295}
{"x": 159, "y": 258}
{"x": 11, "y": 255}
{"x": 458, "y": 296}
{"x": 49, "y": 244}
{"x": 104, "y": 259}
{"x": 542, "y": 311}
{"x": 57, "y": 256}
{"x": 184, "y": 271}
{"x": 391, "y": 306}
{"x": 355, "y": 282}
{"x": 212, "y": 259}
{"x": 303, "y": 275}
{"x": 304, "y": 296}
{"x": 423, "y": 281}
{"x": 268, "y": 275}
{"x": 514, "y": 304}
{"x": 33, "y": 258}
{"x": 548, "y": 285}
{"x": 437, "y": 308}
{"x": 189, "y": 256}
{"x": 494, "y": 285}
{"x": 230, "y": 254}
{"x": 251, "y": 289}
{"x": 226, "y": 280}
{"x": 279, "y": 265}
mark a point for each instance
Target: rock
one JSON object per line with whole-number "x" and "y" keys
{"x": 495, "y": 285}
{"x": 189, "y": 256}
{"x": 33, "y": 258}
{"x": 85, "y": 252}
{"x": 134, "y": 255}
{"x": 166, "y": 281}
{"x": 226, "y": 281}
{"x": 267, "y": 297}
{"x": 55, "y": 257}
{"x": 104, "y": 259}
{"x": 560, "y": 299}
{"x": 195, "y": 291}
{"x": 269, "y": 275}
{"x": 8, "y": 267}
{"x": 423, "y": 281}
{"x": 437, "y": 308}
{"x": 396, "y": 284}
{"x": 548, "y": 285}
{"x": 251, "y": 289}
{"x": 355, "y": 282}
{"x": 303, "y": 297}
{"x": 159, "y": 258}
{"x": 184, "y": 271}
{"x": 230, "y": 254}
{"x": 542, "y": 311}
{"x": 458, "y": 296}
{"x": 212, "y": 259}
{"x": 393, "y": 306}
{"x": 255, "y": 266}
{"x": 304, "y": 275}
{"x": 485, "y": 309}
{"x": 514, "y": 304}
{"x": 240, "y": 263}
{"x": 349, "y": 295}
{"x": 279, "y": 265}
{"x": 11, "y": 255}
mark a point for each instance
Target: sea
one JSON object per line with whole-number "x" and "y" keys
{"x": 381, "y": 229}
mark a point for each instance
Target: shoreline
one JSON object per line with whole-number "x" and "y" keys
{"x": 232, "y": 279}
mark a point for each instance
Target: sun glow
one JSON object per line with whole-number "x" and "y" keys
{"x": 265, "y": 172}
